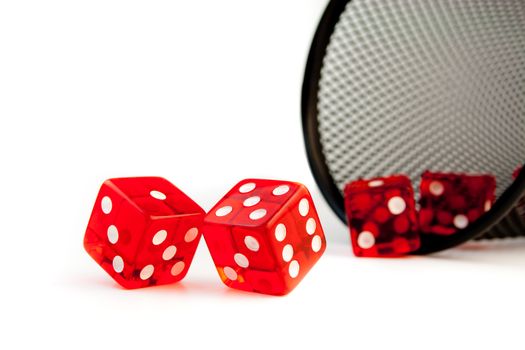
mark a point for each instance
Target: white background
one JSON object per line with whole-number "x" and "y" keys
{"x": 204, "y": 93}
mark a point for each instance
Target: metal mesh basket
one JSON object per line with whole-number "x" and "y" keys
{"x": 404, "y": 86}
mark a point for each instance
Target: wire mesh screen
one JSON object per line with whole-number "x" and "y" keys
{"x": 414, "y": 85}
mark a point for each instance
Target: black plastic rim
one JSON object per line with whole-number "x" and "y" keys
{"x": 429, "y": 243}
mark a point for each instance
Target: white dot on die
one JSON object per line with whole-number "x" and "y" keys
{"x": 159, "y": 237}
{"x": 169, "y": 253}
{"x": 158, "y": 195}
{"x": 118, "y": 264}
{"x": 247, "y": 188}
{"x": 304, "y": 207}
{"x": 281, "y": 190}
{"x": 250, "y": 202}
{"x": 191, "y": 235}
{"x": 177, "y": 268}
{"x": 293, "y": 269}
{"x": 258, "y": 214}
{"x": 280, "y": 232}
{"x": 230, "y": 273}
{"x": 317, "y": 243}
{"x": 488, "y": 205}
{"x": 376, "y": 183}
{"x": 287, "y": 252}
{"x": 311, "y": 226}
{"x": 241, "y": 260}
{"x": 146, "y": 272}
{"x": 366, "y": 240}
{"x": 251, "y": 243}
{"x": 223, "y": 211}
{"x": 397, "y": 205}
{"x": 436, "y": 188}
{"x": 106, "y": 205}
{"x": 112, "y": 234}
{"x": 461, "y": 221}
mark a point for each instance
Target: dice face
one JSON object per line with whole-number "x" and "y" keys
{"x": 264, "y": 236}
{"x": 450, "y": 202}
{"x": 143, "y": 231}
{"x": 382, "y": 217}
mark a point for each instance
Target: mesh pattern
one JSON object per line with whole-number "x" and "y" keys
{"x": 414, "y": 85}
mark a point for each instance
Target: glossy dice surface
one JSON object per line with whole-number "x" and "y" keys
{"x": 382, "y": 217}
{"x": 143, "y": 231}
{"x": 450, "y": 202}
{"x": 264, "y": 236}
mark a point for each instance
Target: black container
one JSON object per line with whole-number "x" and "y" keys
{"x": 406, "y": 86}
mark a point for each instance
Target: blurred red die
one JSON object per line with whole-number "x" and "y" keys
{"x": 450, "y": 202}
{"x": 382, "y": 216}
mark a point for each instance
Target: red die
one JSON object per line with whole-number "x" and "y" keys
{"x": 143, "y": 231}
{"x": 264, "y": 236}
{"x": 449, "y": 202}
{"x": 382, "y": 216}
{"x": 516, "y": 172}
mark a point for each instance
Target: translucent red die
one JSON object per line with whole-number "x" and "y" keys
{"x": 143, "y": 231}
{"x": 264, "y": 236}
{"x": 450, "y": 202}
{"x": 382, "y": 216}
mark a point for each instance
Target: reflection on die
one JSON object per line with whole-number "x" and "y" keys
{"x": 264, "y": 236}
{"x": 143, "y": 231}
